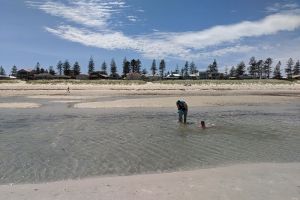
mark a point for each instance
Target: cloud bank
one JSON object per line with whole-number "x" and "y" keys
{"x": 93, "y": 17}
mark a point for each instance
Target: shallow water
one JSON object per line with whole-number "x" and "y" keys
{"x": 58, "y": 142}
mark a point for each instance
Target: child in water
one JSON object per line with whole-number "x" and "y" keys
{"x": 203, "y": 124}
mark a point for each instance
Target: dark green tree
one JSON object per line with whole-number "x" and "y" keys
{"x": 232, "y": 72}
{"x": 138, "y": 66}
{"x": 186, "y": 70}
{"x": 113, "y": 69}
{"x": 76, "y": 68}
{"x": 193, "y": 68}
{"x": 42, "y": 70}
{"x": 133, "y": 65}
{"x": 59, "y": 67}
{"x": 212, "y": 70}
{"x": 277, "y": 71}
{"x": 153, "y": 67}
{"x": 240, "y": 69}
{"x": 2, "y": 71}
{"x": 104, "y": 68}
{"x": 91, "y": 66}
{"x": 267, "y": 69}
{"x": 126, "y": 67}
{"x": 296, "y": 69}
{"x": 162, "y": 67}
{"x": 51, "y": 70}
{"x": 14, "y": 71}
{"x": 38, "y": 68}
{"x": 289, "y": 68}
{"x": 252, "y": 67}
{"x": 259, "y": 68}
{"x": 67, "y": 68}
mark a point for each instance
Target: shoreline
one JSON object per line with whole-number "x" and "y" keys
{"x": 242, "y": 181}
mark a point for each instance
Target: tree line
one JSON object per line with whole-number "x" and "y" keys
{"x": 256, "y": 69}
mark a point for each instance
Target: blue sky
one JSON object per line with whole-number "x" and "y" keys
{"x": 175, "y": 30}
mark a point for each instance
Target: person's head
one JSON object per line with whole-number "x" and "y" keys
{"x": 203, "y": 124}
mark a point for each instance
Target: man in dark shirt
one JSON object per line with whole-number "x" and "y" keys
{"x": 182, "y": 110}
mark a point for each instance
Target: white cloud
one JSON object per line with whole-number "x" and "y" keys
{"x": 91, "y": 13}
{"x": 132, "y": 18}
{"x": 279, "y": 7}
{"x": 180, "y": 45}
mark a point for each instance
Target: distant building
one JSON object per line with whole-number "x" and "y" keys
{"x": 173, "y": 76}
{"x": 98, "y": 75}
{"x": 26, "y": 74}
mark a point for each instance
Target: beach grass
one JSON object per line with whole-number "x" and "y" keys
{"x": 10, "y": 81}
{"x": 171, "y": 82}
{"x": 93, "y": 82}
{"x": 226, "y": 82}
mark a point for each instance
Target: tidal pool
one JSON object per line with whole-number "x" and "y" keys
{"x": 58, "y": 142}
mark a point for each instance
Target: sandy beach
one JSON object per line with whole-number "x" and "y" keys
{"x": 162, "y": 94}
{"x": 247, "y": 182}
{"x": 242, "y": 181}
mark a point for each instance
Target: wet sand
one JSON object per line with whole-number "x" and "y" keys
{"x": 246, "y": 181}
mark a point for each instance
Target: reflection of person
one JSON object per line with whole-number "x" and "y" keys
{"x": 182, "y": 110}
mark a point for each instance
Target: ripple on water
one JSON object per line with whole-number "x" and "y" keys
{"x": 46, "y": 146}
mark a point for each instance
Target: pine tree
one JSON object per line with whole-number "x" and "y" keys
{"x": 252, "y": 67}
{"x": 193, "y": 68}
{"x": 51, "y": 70}
{"x": 212, "y": 69}
{"x": 133, "y": 65}
{"x": 162, "y": 68}
{"x": 67, "y": 68}
{"x": 76, "y": 68}
{"x": 91, "y": 67}
{"x": 126, "y": 67}
{"x": 113, "y": 68}
{"x": 186, "y": 70}
{"x": 14, "y": 71}
{"x": 259, "y": 68}
{"x": 267, "y": 67}
{"x": 42, "y": 70}
{"x": 2, "y": 71}
{"x": 232, "y": 72}
{"x": 38, "y": 68}
{"x": 240, "y": 69}
{"x": 104, "y": 68}
{"x": 177, "y": 69}
{"x": 288, "y": 68}
{"x": 59, "y": 67}
{"x": 296, "y": 69}
{"x": 153, "y": 67}
{"x": 277, "y": 71}
{"x": 138, "y": 66}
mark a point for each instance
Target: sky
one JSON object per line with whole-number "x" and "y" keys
{"x": 230, "y": 31}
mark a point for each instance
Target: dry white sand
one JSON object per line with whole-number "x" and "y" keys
{"x": 239, "y": 182}
{"x": 19, "y": 105}
{"x": 24, "y": 89}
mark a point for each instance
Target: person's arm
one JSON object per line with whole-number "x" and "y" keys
{"x": 186, "y": 106}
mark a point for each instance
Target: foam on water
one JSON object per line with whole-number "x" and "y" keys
{"x": 59, "y": 142}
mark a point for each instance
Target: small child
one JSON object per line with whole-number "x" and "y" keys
{"x": 203, "y": 124}
{"x": 68, "y": 90}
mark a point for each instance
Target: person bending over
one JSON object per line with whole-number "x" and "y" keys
{"x": 182, "y": 110}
